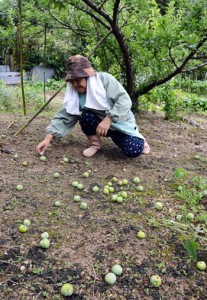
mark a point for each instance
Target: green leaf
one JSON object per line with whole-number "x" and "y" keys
{"x": 192, "y": 247}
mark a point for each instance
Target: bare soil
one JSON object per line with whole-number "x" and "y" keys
{"x": 85, "y": 244}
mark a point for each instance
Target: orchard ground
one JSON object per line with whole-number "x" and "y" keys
{"x": 85, "y": 244}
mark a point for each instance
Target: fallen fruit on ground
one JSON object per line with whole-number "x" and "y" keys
{"x": 67, "y": 289}
{"x": 83, "y": 205}
{"x": 155, "y": 280}
{"x": 75, "y": 183}
{"x": 124, "y": 194}
{"x": 119, "y": 199}
{"x": 65, "y": 159}
{"x": 125, "y": 181}
{"x": 141, "y": 234}
{"x": 85, "y": 174}
{"x": 56, "y": 175}
{"x": 190, "y": 216}
{"x": 140, "y": 188}
{"x": 57, "y": 203}
{"x": 136, "y": 180}
{"x": 19, "y": 187}
{"x": 117, "y": 269}
{"x": 114, "y": 197}
{"x": 159, "y": 205}
{"x": 26, "y": 222}
{"x": 179, "y": 188}
{"x": 25, "y": 163}
{"x": 45, "y": 243}
{"x": 111, "y": 189}
{"x": 45, "y": 235}
{"x": 43, "y": 158}
{"x": 179, "y": 217}
{"x": 110, "y": 278}
{"x": 106, "y": 191}
{"x": 76, "y": 198}
{"x": 95, "y": 188}
{"x": 79, "y": 186}
{"x": 201, "y": 265}
{"x": 23, "y": 228}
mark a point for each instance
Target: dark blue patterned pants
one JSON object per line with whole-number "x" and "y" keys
{"x": 131, "y": 146}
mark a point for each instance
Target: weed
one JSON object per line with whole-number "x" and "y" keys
{"x": 192, "y": 247}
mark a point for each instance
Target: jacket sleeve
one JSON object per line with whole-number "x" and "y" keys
{"x": 120, "y": 102}
{"x": 62, "y": 123}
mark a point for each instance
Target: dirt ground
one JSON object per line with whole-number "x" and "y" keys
{"x": 85, "y": 244}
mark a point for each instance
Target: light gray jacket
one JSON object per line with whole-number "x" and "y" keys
{"x": 120, "y": 111}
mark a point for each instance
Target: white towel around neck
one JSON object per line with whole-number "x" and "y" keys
{"x": 95, "y": 96}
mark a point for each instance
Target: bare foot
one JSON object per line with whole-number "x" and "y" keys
{"x": 146, "y": 149}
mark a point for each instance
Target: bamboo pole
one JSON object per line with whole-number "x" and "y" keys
{"x": 50, "y": 99}
{"x": 21, "y": 54}
{"x": 39, "y": 111}
{"x": 45, "y": 42}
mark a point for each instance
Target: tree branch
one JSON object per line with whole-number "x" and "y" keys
{"x": 177, "y": 71}
{"x": 195, "y": 68}
{"x": 116, "y": 11}
{"x": 98, "y": 10}
{"x": 66, "y": 25}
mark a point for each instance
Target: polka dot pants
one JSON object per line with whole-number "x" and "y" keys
{"x": 131, "y": 146}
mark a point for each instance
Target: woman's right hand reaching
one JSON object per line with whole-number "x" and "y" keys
{"x": 41, "y": 147}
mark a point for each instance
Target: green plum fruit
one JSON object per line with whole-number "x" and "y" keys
{"x": 43, "y": 158}
{"x": 119, "y": 199}
{"x": 110, "y": 278}
{"x": 201, "y": 265}
{"x": 80, "y": 186}
{"x": 56, "y": 175}
{"x": 125, "y": 181}
{"x": 23, "y": 228}
{"x": 76, "y": 198}
{"x": 45, "y": 243}
{"x": 141, "y": 234}
{"x": 155, "y": 280}
{"x": 159, "y": 205}
{"x": 136, "y": 180}
{"x": 95, "y": 188}
{"x": 83, "y": 205}
{"x": 114, "y": 197}
{"x": 124, "y": 194}
{"x": 85, "y": 174}
{"x": 19, "y": 187}
{"x": 65, "y": 159}
{"x": 75, "y": 183}
{"x": 26, "y": 222}
{"x": 140, "y": 188}
{"x": 117, "y": 269}
{"x": 67, "y": 289}
{"x": 45, "y": 235}
{"x": 190, "y": 216}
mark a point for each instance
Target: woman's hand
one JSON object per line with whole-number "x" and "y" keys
{"x": 41, "y": 147}
{"x": 103, "y": 126}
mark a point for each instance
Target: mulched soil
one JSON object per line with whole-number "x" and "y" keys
{"x": 86, "y": 243}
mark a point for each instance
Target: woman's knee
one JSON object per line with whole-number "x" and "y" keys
{"x": 130, "y": 146}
